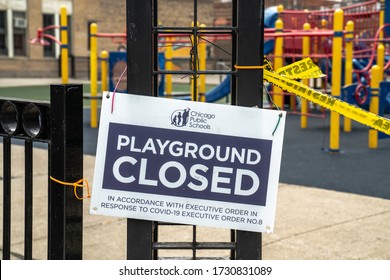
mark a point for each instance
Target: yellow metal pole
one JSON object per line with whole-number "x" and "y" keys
{"x": 382, "y": 17}
{"x": 374, "y": 105}
{"x": 280, "y": 9}
{"x": 93, "y": 73}
{"x": 376, "y": 78}
{"x": 305, "y": 53}
{"x": 104, "y": 67}
{"x": 278, "y": 62}
{"x": 348, "y": 65}
{"x": 319, "y": 81}
{"x": 337, "y": 49}
{"x": 64, "y": 45}
{"x": 380, "y": 60}
{"x": 202, "y": 67}
{"x": 168, "y": 65}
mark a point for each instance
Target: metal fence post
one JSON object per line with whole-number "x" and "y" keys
{"x": 249, "y": 52}
{"x": 6, "y": 198}
{"x": 139, "y": 81}
{"x": 66, "y": 164}
{"x": 250, "y": 91}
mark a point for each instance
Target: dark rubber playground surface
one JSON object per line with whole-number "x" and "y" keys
{"x": 355, "y": 169}
{"x": 305, "y": 161}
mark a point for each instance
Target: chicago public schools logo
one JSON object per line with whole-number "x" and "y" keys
{"x": 191, "y": 118}
{"x": 180, "y": 117}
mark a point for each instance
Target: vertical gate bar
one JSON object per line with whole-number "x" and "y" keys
{"x": 195, "y": 13}
{"x": 195, "y": 92}
{"x": 155, "y": 239}
{"x": 249, "y": 245}
{"x": 139, "y": 81}
{"x": 250, "y": 52}
{"x": 155, "y": 225}
{"x": 139, "y": 239}
{"x": 139, "y": 47}
{"x": 194, "y": 50}
{"x": 233, "y": 86}
{"x": 250, "y": 92}
{"x": 233, "y": 240}
{"x": 6, "y": 198}
{"x": 28, "y": 199}
{"x": 155, "y": 48}
{"x": 194, "y": 242}
{"x": 56, "y": 199}
{"x": 66, "y": 164}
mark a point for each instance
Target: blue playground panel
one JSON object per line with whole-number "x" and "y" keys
{"x": 161, "y": 64}
{"x": 348, "y": 95}
{"x": 115, "y": 57}
{"x": 221, "y": 90}
{"x": 384, "y": 103}
{"x": 348, "y": 92}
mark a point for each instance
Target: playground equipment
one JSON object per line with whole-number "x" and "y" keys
{"x": 336, "y": 83}
{"x": 289, "y": 44}
{"x": 104, "y": 67}
{"x": 374, "y": 104}
{"x": 357, "y": 55}
{"x": 93, "y": 54}
{"x": 42, "y": 40}
{"x": 42, "y": 36}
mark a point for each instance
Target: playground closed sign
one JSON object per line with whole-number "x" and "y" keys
{"x": 188, "y": 162}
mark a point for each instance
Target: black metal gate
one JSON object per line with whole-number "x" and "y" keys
{"x": 246, "y": 39}
{"x": 60, "y": 125}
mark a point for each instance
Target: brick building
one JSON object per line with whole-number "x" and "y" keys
{"x": 20, "y": 20}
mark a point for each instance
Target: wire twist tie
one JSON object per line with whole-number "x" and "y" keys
{"x": 76, "y": 185}
{"x": 277, "y": 124}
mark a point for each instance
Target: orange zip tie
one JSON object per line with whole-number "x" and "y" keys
{"x": 75, "y": 185}
{"x": 249, "y": 67}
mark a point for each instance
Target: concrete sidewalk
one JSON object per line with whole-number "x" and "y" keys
{"x": 310, "y": 223}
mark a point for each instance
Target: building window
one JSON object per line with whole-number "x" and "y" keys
{"x": 50, "y": 50}
{"x": 20, "y": 26}
{"x": 3, "y": 33}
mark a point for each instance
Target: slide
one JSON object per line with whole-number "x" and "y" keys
{"x": 216, "y": 93}
{"x": 221, "y": 90}
{"x": 270, "y": 17}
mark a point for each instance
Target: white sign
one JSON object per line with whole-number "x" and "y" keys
{"x": 188, "y": 162}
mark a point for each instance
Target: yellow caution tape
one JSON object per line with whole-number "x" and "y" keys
{"x": 284, "y": 79}
{"x": 302, "y": 69}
